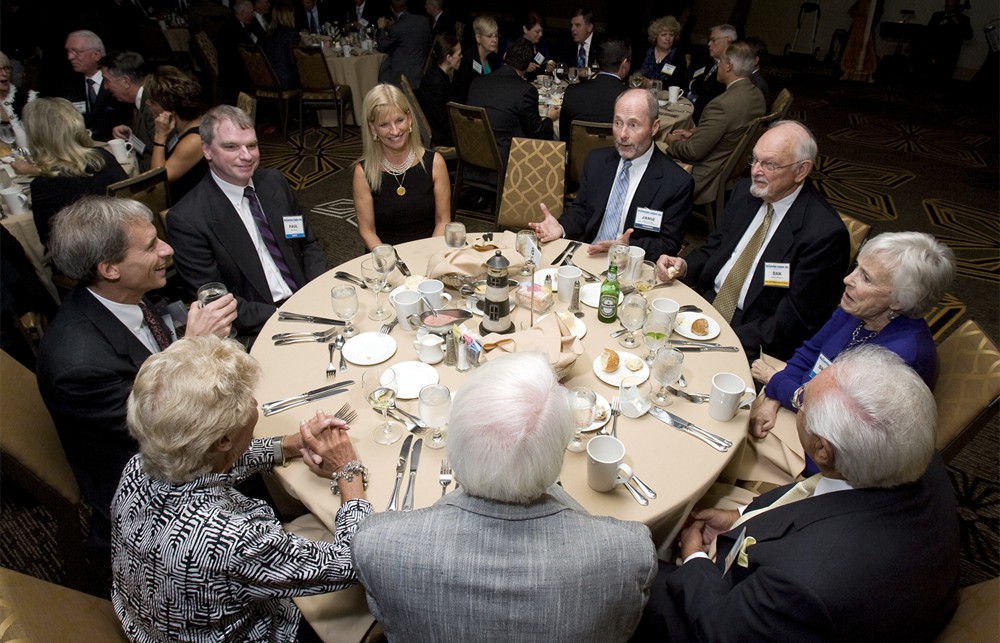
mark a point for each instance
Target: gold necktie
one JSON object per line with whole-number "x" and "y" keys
{"x": 729, "y": 294}
{"x": 801, "y": 491}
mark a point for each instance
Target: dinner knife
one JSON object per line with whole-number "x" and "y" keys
{"x": 312, "y": 398}
{"x": 562, "y": 255}
{"x": 315, "y": 391}
{"x": 685, "y": 342}
{"x": 402, "y": 266}
{"x": 716, "y": 442}
{"x": 404, "y": 453}
{"x": 285, "y": 316}
{"x": 681, "y": 422}
{"x": 349, "y": 278}
{"x": 702, "y": 349}
{"x": 414, "y": 461}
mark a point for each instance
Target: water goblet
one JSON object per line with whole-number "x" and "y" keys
{"x": 582, "y": 400}
{"x": 666, "y": 370}
{"x": 646, "y": 277}
{"x": 633, "y": 396}
{"x": 524, "y": 242}
{"x": 435, "y": 405}
{"x": 618, "y": 255}
{"x": 380, "y": 387}
{"x": 384, "y": 256}
{"x": 632, "y": 314}
{"x": 345, "y": 306}
{"x": 654, "y": 335}
{"x": 454, "y": 234}
{"x": 656, "y": 86}
{"x": 210, "y": 292}
{"x": 374, "y": 279}
{"x": 7, "y": 133}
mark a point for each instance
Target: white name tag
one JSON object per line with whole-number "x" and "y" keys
{"x": 137, "y": 145}
{"x": 777, "y": 274}
{"x": 477, "y": 66}
{"x": 539, "y": 58}
{"x": 294, "y": 227}
{"x": 81, "y": 106}
{"x": 821, "y": 362}
{"x": 646, "y": 219}
{"x": 363, "y": 22}
{"x": 668, "y": 69}
{"x": 698, "y": 73}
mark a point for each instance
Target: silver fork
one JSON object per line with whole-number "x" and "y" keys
{"x": 388, "y": 326}
{"x": 346, "y": 413}
{"x": 445, "y": 477}
{"x": 331, "y": 368}
{"x": 616, "y": 410}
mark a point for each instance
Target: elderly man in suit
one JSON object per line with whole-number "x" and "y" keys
{"x": 582, "y": 51}
{"x": 705, "y": 84}
{"x": 632, "y": 193}
{"x": 242, "y": 225}
{"x": 407, "y": 40}
{"x": 774, "y": 265}
{"x": 842, "y": 555}
{"x": 515, "y": 548}
{"x": 124, "y": 74}
{"x": 708, "y": 146}
{"x": 594, "y": 100}
{"x": 102, "y": 334}
{"x": 101, "y": 112}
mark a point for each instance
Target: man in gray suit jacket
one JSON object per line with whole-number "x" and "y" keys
{"x": 407, "y": 40}
{"x": 510, "y": 556}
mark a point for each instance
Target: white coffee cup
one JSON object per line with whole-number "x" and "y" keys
{"x": 406, "y": 303}
{"x": 665, "y": 312}
{"x": 636, "y": 255}
{"x": 729, "y": 392}
{"x": 347, "y": 51}
{"x": 605, "y": 463}
{"x": 674, "y": 93}
{"x": 430, "y": 348}
{"x": 15, "y": 200}
{"x": 121, "y": 149}
{"x": 433, "y": 290}
{"x": 566, "y": 276}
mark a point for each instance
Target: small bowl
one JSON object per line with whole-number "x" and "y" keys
{"x": 438, "y": 323}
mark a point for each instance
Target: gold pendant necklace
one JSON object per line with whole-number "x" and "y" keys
{"x": 399, "y": 190}
{"x": 397, "y": 171}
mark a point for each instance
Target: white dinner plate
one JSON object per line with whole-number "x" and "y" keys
{"x": 541, "y": 274}
{"x": 574, "y": 323}
{"x": 590, "y": 294}
{"x": 411, "y": 377}
{"x": 602, "y": 405}
{"x": 683, "y": 326}
{"x": 477, "y": 309}
{"x": 615, "y": 378}
{"x": 369, "y": 348}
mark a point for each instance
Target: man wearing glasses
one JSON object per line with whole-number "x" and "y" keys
{"x": 774, "y": 264}
{"x": 101, "y": 112}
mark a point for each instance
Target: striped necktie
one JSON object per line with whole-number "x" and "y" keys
{"x": 613, "y": 213}
{"x": 581, "y": 56}
{"x": 268, "y": 237}
{"x": 729, "y": 294}
{"x": 801, "y": 491}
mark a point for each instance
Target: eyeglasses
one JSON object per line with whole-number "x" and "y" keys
{"x": 6, "y": 68}
{"x": 767, "y": 166}
{"x": 797, "y": 397}
{"x": 495, "y": 34}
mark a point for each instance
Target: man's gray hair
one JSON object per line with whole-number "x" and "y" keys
{"x": 652, "y": 105}
{"x": 880, "y": 418}
{"x": 508, "y": 429}
{"x": 218, "y": 114}
{"x": 93, "y": 230}
{"x": 806, "y": 148}
{"x": 740, "y": 55}
{"x": 93, "y": 40}
{"x": 921, "y": 269}
{"x": 726, "y": 31}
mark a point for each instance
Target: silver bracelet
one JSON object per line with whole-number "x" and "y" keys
{"x": 347, "y": 473}
{"x": 279, "y": 451}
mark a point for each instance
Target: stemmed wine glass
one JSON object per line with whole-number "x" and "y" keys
{"x": 384, "y": 256}
{"x": 345, "y": 306}
{"x": 632, "y": 314}
{"x": 582, "y": 400}
{"x": 7, "y": 134}
{"x": 380, "y": 387}
{"x": 654, "y": 335}
{"x": 376, "y": 271}
{"x": 647, "y": 277}
{"x": 666, "y": 370}
{"x": 435, "y": 405}
{"x": 523, "y": 242}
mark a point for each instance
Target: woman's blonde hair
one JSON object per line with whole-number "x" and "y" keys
{"x": 185, "y": 399}
{"x": 58, "y": 139}
{"x": 378, "y": 102}
{"x": 658, "y": 26}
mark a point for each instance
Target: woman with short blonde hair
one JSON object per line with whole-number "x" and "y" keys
{"x": 664, "y": 61}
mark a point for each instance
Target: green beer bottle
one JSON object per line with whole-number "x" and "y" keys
{"x": 607, "y": 305}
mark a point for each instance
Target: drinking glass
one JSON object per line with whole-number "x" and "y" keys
{"x": 654, "y": 335}
{"x": 582, "y": 400}
{"x": 454, "y": 235}
{"x": 210, "y": 292}
{"x": 572, "y": 74}
{"x": 666, "y": 370}
{"x": 373, "y": 278}
{"x": 618, "y": 255}
{"x": 632, "y": 313}
{"x": 524, "y": 241}
{"x": 345, "y": 306}
{"x": 435, "y": 405}
{"x": 546, "y": 81}
{"x": 633, "y": 396}
{"x": 646, "y": 278}
{"x": 636, "y": 80}
{"x": 384, "y": 256}
{"x": 7, "y": 133}
{"x": 379, "y": 385}
{"x": 656, "y": 86}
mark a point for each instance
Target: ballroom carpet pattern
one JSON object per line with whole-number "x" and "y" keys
{"x": 895, "y": 157}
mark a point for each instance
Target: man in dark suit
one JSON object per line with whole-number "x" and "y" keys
{"x": 407, "y": 40}
{"x": 704, "y": 84}
{"x": 100, "y": 337}
{"x": 124, "y": 75}
{"x": 310, "y": 16}
{"x": 841, "y": 555}
{"x": 582, "y": 51}
{"x": 442, "y": 20}
{"x": 632, "y": 193}
{"x": 791, "y": 284}
{"x": 242, "y": 226}
{"x": 361, "y": 13}
{"x": 594, "y": 100}
{"x": 235, "y": 31}
{"x": 101, "y": 112}
{"x": 511, "y": 102}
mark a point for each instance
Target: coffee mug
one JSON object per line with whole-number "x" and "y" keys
{"x": 729, "y": 393}
{"x": 121, "y": 149}
{"x": 605, "y": 463}
{"x": 566, "y": 276}
{"x": 15, "y": 200}
{"x": 433, "y": 290}
{"x": 430, "y": 348}
{"x": 347, "y": 51}
{"x": 406, "y": 303}
{"x": 674, "y": 93}
{"x": 665, "y": 312}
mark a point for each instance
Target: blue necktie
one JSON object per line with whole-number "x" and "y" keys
{"x": 613, "y": 213}
{"x": 581, "y": 57}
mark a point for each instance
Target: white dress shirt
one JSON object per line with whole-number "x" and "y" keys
{"x": 638, "y": 168}
{"x": 131, "y": 316}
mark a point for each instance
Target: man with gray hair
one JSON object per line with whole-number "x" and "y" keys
{"x": 705, "y": 84}
{"x": 124, "y": 74}
{"x": 103, "y": 333}
{"x": 866, "y": 550}
{"x": 91, "y": 97}
{"x": 504, "y": 557}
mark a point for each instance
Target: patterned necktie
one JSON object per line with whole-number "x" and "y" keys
{"x": 581, "y": 56}
{"x": 155, "y": 325}
{"x": 613, "y": 213}
{"x": 268, "y": 236}
{"x": 729, "y": 294}
{"x": 312, "y": 23}
{"x": 801, "y": 491}
{"x": 91, "y": 95}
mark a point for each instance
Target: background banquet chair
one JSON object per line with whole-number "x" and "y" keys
{"x": 207, "y": 57}
{"x": 265, "y": 83}
{"x": 782, "y": 103}
{"x": 535, "y": 174}
{"x": 423, "y": 125}
{"x": 248, "y": 104}
{"x": 584, "y": 136}
{"x": 858, "y": 232}
{"x": 977, "y": 618}
{"x": 476, "y": 149}
{"x": 318, "y": 86}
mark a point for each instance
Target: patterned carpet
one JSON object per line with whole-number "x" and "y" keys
{"x": 896, "y": 158}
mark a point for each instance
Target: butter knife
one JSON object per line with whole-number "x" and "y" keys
{"x": 716, "y": 442}
{"x": 571, "y": 245}
{"x": 286, "y": 316}
{"x": 402, "y": 266}
{"x": 705, "y": 349}
{"x": 404, "y": 453}
{"x": 348, "y": 277}
{"x": 414, "y": 461}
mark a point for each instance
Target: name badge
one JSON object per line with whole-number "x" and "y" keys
{"x": 137, "y": 145}
{"x": 821, "y": 362}
{"x": 646, "y": 219}
{"x": 294, "y": 227}
{"x": 668, "y": 69}
{"x": 539, "y": 58}
{"x": 363, "y": 22}
{"x": 698, "y": 73}
{"x": 81, "y": 106}
{"x": 777, "y": 274}
{"x": 735, "y": 551}
{"x": 477, "y": 67}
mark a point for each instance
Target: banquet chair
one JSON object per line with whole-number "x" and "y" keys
{"x": 733, "y": 169}
{"x": 535, "y": 174}
{"x": 967, "y": 391}
{"x": 248, "y": 104}
{"x": 208, "y": 57}
{"x": 318, "y": 86}
{"x": 32, "y": 456}
{"x": 977, "y": 618}
{"x": 782, "y": 103}
{"x": 423, "y": 125}
{"x": 152, "y": 190}
{"x": 265, "y": 82}
{"x": 584, "y": 136}
{"x": 859, "y": 235}
{"x": 475, "y": 147}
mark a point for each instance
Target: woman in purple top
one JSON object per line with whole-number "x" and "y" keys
{"x": 900, "y": 276}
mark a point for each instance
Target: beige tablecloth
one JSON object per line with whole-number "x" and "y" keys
{"x": 679, "y": 467}
{"x": 675, "y": 116}
{"x": 359, "y": 72}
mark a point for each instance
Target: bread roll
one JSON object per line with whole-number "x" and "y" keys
{"x": 609, "y": 360}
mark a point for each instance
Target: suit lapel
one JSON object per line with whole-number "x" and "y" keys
{"x": 649, "y": 186}
{"x": 273, "y": 205}
{"x": 121, "y": 338}
{"x": 235, "y": 240}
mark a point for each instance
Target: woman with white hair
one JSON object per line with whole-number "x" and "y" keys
{"x": 193, "y": 558}
{"x": 12, "y": 101}
{"x": 481, "y": 58}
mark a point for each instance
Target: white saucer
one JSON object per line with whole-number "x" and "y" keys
{"x": 590, "y": 294}
{"x": 411, "y": 377}
{"x": 367, "y": 349}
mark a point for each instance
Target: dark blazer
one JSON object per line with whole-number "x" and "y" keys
{"x": 233, "y": 76}
{"x": 664, "y": 186}
{"x": 211, "y": 244}
{"x": 278, "y": 49}
{"x": 436, "y": 90}
{"x": 325, "y": 11}
{"x": 572, "y": 48}
{"x": 704, "y": 87}
{"x": 848, "y": 565}
{"x": 812, "y": 239}
{"x": 374, "y": 9}
{"x": 444, "y": 24}
{"x": 144, "y": 128}
{"x": 758, "y": 80}
{"x": 465, "y": 73}
{"x": 511, "y": 103}
{"x": 106, "y": 113}
{"x": 408, "y": 42}
{"x": 592, "y": 100}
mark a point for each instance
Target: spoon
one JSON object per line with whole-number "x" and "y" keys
{"x": 338, "y": 344}
{"x": 429, "y": 305}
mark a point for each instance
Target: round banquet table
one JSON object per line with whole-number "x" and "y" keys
{"x": 677, "y": 466}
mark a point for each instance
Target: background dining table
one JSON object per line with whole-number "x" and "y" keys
{"x": 359, "y": 71}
